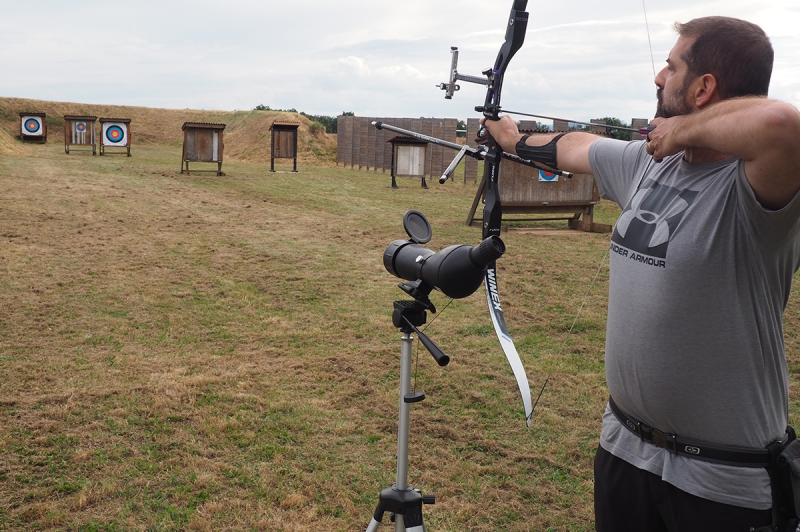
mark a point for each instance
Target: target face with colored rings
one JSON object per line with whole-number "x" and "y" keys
{"x": 115, "y": 134}
{"x": 32, "y": 125}
{"x": 544, "y": 175}
{"x": 80, "y": 127}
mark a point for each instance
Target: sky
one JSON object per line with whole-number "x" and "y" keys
{"x": 581, "y": 59}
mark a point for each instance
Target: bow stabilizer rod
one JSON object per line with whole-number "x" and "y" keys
{"x": 478, "y": 153}
{"x": 642, "y": 130}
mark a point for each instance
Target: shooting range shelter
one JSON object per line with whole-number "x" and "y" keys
{"x": 408, "y": 158}
{"x": 359, "y": 143}
{"x": 32, "y": 127}
{"x": 528, "y": 194}
{"x": 79, "y": 131}
{"x": 284, "y": 142}
{"x": 115, "y": 133}
{"x": 202, "y": 142}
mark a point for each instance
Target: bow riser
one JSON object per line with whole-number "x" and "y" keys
{"x": 493, "y": 211}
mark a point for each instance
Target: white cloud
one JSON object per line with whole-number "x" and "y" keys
{"x": 581, "y": 58}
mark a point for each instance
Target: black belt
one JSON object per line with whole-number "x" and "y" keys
{"x": 723, "y": 454}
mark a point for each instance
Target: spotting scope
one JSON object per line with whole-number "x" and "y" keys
{"x": 457, "y": 271}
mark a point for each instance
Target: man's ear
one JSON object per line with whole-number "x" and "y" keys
{"x": 705, "y": 91}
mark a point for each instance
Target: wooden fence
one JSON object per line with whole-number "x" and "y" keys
{"x": 360, "y": 144}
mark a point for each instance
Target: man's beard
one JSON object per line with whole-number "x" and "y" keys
{"x": 677, "y": 106}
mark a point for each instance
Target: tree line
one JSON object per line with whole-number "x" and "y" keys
{"x": 330, "y": 122}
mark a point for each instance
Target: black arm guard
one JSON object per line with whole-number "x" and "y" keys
{"x": 541, "y": 154}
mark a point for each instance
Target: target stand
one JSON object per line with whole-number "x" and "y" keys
{"x": 284, "y": 143}
{"x": 202, "y": 142}
{"x": 115, "y": 133}
{"x": 79, "y": 131}
{"x": 32, "y": 127}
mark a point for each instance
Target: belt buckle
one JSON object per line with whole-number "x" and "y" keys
{"x": 664, "y": 440}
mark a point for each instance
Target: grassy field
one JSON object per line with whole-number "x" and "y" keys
{"x": 203, "y": 353}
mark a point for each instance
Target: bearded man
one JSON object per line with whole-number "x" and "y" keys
{"x": 702, "y": 259}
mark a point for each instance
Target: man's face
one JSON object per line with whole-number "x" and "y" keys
{"x": 673, "y": 82}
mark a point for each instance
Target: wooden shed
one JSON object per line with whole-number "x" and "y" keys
{"x": 528, "y": 194}
{"x": 115, "y": 133}
{"x": 408, "y": 158}
{"x": 80, "y": 131}
{"x": 202, "y": 142}
{"x": 284, "y": 142}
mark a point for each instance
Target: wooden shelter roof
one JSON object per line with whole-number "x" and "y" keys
{"x": 406, "y": 140}
{"x": 284, "y": 123}
{"x": 202, "y": 125}
{"x": 31, "y": 113}
{"x": 123, "y": 120}
{"x": 79, "y": 117}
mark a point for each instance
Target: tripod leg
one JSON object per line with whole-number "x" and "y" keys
{"x": 410, "y": 522}
{"x": 373, "y": 525}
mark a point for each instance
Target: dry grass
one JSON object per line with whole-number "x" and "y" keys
{"x": 187, "y": 353}
{"x": 247, "y": 135}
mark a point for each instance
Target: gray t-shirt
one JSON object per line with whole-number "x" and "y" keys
{"x": 700, "y": 275}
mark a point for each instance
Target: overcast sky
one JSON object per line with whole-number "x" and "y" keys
{"x": 581, "y": 59}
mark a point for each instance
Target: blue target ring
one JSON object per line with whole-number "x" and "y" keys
{"x": 115, "y": 134}
{"x": 32, "y": 125}
{"x": 544, "y": 175}
{"x": 80, "y": 127}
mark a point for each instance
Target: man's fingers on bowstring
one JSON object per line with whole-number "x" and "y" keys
{"x": 652, "y": 148}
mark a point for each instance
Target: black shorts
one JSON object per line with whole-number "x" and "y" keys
{"x": 629, "y": 499}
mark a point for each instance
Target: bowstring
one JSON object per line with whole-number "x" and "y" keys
{"x": 647, "y": 25}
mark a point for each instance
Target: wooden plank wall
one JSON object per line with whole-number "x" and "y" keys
{"x": 285, "y": 143}
{"x": 471, "y": 165}
{"x": 520, "y": 185}
{"x": 344, "y": 140}
{"x": 360, "y": 144}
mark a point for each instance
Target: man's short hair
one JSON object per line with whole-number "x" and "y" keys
{"x": 737, "y": 53}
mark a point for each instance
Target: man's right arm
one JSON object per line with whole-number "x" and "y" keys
{"x": 572, "y": 150}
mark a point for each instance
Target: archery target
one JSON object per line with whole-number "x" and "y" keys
{"x": 32, "y": 125}
{"x": 547, "y": 176}
{"x": 115, "y": 134}
{"x": 78, "y": 133}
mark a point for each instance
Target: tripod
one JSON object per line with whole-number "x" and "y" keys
{"x": 402, "y": 500}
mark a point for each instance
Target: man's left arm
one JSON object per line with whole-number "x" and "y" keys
{"x": 764, "y": 133}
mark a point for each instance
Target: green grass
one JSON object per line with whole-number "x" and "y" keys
{"x": 202, "y": 353}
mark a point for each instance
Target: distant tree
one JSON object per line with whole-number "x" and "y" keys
{"x": 329, "y": 123}
{"x": 461, "y": 127}
{"x": 616, "y": 133}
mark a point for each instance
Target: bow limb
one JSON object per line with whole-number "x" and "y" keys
{"x": 492, "y": 219}
{"x": 506, "y": 342}
{"x": 492, "y": 212}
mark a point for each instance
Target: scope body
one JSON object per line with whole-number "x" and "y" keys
{"x": 457, "y": 271}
